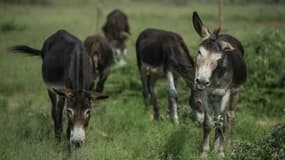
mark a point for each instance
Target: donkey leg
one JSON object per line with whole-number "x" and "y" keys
{"x": 220, "y": 111}
{"x": 57, "y": 114}
{"x": 54, "y": 110}
{"x": 206, "y": 135}
{"x": 68, "y": 132}
{"x": 60, "y": 106}
{"x": 102, "y": 79}
{"x": 153, "y": 98}
{"x": 218, "y": 128}
{"x": 219, "y": 140}
{"x": 231, "y": 116}
{"x": 145, "y": 91}
{"x": 172, "y": 97}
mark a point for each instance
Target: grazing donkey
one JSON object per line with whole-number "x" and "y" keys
{"x": 163, "y": 54}
{"x": 220, "y": 71}
{"x": 101, "y": 53}
{"x": 116, "y": 29}
{"x": 67, "y": 71}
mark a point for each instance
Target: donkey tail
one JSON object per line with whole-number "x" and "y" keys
{"x": 26, "y": 50}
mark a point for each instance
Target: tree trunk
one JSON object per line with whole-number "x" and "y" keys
{"x": 98, "y": 14}
{"x": 221, "y": 14}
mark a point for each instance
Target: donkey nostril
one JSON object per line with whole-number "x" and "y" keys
{"x": 208, "y": 83}
{"x": 197, "y": 80}
{"x": 77, "y": 143}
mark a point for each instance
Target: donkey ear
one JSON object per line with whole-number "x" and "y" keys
{"x": 64, "y": 92}
{"x": 96, "y": 95}
{"x": 200, "y": 28}
{"x": 226, "y": 46}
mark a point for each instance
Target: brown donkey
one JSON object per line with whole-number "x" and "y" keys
{"x": 100, "y": 51}
{"x": 116, "y": 29}
{"x": 163, "y": 54}
{"x": 220, "y": 71}
{"x": 67, "y": 71}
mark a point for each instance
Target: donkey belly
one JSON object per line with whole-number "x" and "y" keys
{"x": 153, "y": 71}
{"x": 53, "y": 75}
{"x": 55, "y": 85}
{"x": 54, "y": 82}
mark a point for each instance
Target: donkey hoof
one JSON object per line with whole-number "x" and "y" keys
{"x": 229, "y": 143}
{"x": 155, "y": 117}
{"x": 221, "y": 155}
{"x": 204, "y": 155}
{"x": 175, "y": 121}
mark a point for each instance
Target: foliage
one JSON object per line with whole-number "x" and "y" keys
{"x": 271, "y": 147}
{"x": 266, "y": 59}
{"x": 266, "y": 75}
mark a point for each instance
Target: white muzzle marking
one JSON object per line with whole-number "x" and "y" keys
{"x": 77, "y": 135}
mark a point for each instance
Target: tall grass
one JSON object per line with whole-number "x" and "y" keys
{"x": 120, "y": 127}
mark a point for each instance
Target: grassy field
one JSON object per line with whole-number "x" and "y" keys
{"x": 120, "y": 128}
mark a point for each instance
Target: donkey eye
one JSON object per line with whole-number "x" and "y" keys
{"x": 199, "y": 53}
{"x": 69, "y": 112}
{"x": 87, "y": 113}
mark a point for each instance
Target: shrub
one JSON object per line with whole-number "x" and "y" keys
{"x": 271, "y": 146}
{"x": 266, "y": 56}
{"x": 266, "y": 75}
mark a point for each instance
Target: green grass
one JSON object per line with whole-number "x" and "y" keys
{"x": 120, "y": 128}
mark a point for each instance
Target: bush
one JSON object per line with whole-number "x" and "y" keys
{"x": 266, "y": 75}
{"x": 272, "y": 147}
{"x": 266, "y": 56}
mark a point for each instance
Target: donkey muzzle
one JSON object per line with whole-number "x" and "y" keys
{"x": 201, "y": 84}
{"x": 77, "y": 136}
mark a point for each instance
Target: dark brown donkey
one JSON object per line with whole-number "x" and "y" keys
{"x": 67, "y": 70}
{"x": 101, "y": 53}
{"x": 220, "y": 72}
{"x": 163, "y": 54}
{"x": 116, "y": 29}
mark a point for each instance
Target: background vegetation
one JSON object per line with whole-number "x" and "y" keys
{"x": 120, "y": 128}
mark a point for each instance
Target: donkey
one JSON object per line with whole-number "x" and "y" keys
{"x": 163, "y": 54}
{"x": 101, "y": 52}
{"x": 220, "y": 72}
{"x": 67, "y": 71}
{"x": 116, "y": 29}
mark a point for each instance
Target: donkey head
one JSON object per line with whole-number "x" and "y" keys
{"x": 78, "y": 112}
{"x": 119, "y": 45}
{"x": 211, "y": 57}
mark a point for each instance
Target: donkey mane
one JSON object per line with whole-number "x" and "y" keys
{"x": 215, "y": 34}
{"x": 238, "y": 65}
{"x": 236, "y": 56}
{"x": 102, "y": 47}
{"x": 233, "y": 41}
{"x": 183, "y": 63}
